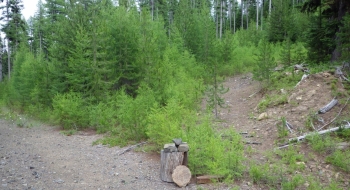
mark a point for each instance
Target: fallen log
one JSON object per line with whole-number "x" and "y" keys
{"x": 335, "y": 116}
{"x": 289, "y": 127}
{"x": 319, "y": 132}
{"x": 302, "y": 78}
{"x": 250, "y": 96}
{"x": 344, "y": 78}
{"x": 329, "y": 106}
{"x": 247, "y": 142}
{"x": 208, "y": 179}
{"x": 338, "y": 72}
{"x": 131, "y": 147}
{"x": 300, "y": 138}
{"x": 301, "y": 67}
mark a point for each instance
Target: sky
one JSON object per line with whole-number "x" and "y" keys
{"x": 30, "y": 7}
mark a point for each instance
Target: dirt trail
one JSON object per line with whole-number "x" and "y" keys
{"x": 310, "y": 95}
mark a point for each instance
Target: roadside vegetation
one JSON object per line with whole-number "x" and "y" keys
{"x": 138, "y": 76}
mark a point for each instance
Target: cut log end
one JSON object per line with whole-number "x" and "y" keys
{"x": 181, "y": 176}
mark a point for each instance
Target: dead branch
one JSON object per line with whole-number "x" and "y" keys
{"x": 300, "y": 138}
{"x": 319, "y": 132}
{"x": 329, "y": 106}
{"x": 289, "y": 126}
{"x": 312, "y": 125}
{"x": 247, "y": 142}
{"x": 344, "y": 78}
{"x": 335, "y": 116}
{"x": 254, "y": 94}
{"x": 301, "y": 67}
{"x": 302, "y": 78}
{"x": 131, "y": 147}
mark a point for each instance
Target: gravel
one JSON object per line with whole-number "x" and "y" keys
{"x": 41, "y": 158}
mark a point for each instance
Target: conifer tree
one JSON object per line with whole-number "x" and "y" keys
{"x": 14, "y": 28}
{"x": 344, "y": 38}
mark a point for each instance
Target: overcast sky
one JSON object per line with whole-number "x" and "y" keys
{"x": 30, "y": 7}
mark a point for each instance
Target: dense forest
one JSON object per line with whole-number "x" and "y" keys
{"x": 139, "y": 69}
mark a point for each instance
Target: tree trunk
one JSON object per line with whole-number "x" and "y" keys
{"x": 221, "y": 20}
{"x": 234, "y": 16}
{"x": 242, "y": 6}
{"x": 261, "y": 16}
{"x": 257, "y": 14}
{"x": 336, "y": 54}
{"x": 247, "y": 13}
{"x": 152, "y": 8}
{"x": 230, "y": 14}
{"x": 270, "y": 8}
{"x": 169, "y": 161}
{"x": 217, "y": 19}
{"x": 8, "y": 44}
{"x": 8, "y": 59}
{"x": 1, "y": 67}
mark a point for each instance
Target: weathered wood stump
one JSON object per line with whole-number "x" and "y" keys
{"x": 169, "y": 161}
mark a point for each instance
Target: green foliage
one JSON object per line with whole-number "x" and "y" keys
{"x": 259, "y": 172}
{"x": 274, "y": 100}
{"x": 320, "y": 39}
{"x": 282, "y": 128}
{"x": 291, "y": 156}
{"x": 344, "y": 38}
{"x": 264, "y": 103}
{"x": 333, "y": 186}
{"x": 324, "y": 143}
{"x": 340, "y": 159}
{"x": 311, "y": 117}
{"x": 218, "y": 154}
{"x": 70, "y": 111}
{"x": 166, "y": 123}
{"x": 282, "y": 80}
{"x": 286, "y": 53}
{"x": 296, "y": 181}
{"x": 215, "y": 100}
{"x": 103, "y": 116}
{"x": 344, "y": 133}
{"x": 299, "y": 53}
{"x": 132, "y": 113}
{"x": 265, "y": 62}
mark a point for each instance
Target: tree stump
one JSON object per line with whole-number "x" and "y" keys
{"x": 169, "y": 161}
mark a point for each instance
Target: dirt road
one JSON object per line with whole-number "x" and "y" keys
{"x": 41, "y": 157}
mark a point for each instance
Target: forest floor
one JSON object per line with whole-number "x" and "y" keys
{"x": 41, "y": 157}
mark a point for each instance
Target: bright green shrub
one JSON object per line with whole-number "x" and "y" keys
{"x": 323, "y": 143}
{"x": 214, "y": 153}
{"x": 103, "y": 117}
{"x": 259, "y": 173}
{"x": 340, "y": 159}
{"x": 169, "y": 122}
{"x": 132, "y": 112}
{"x": 70, "y": 110}
{"x": 296, "y": 181}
